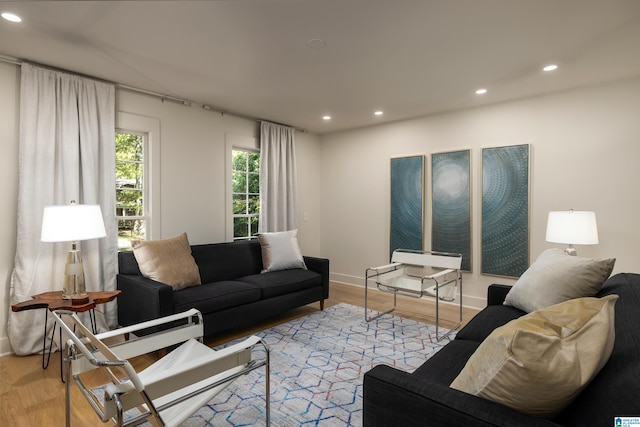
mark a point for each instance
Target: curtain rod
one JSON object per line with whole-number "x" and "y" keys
{"x": 162, "y": 97}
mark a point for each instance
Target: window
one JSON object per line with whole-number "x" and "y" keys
{"x": 246, "y": 193}
{"x": 131, "y": 208}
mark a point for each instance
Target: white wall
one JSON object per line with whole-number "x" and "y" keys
{"x": 190, "y": 179}
{"x": 585, "y": 155}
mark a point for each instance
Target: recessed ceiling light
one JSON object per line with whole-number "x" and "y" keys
{"x": 11, "y": 17}
{"x": 550, "y": 67}
{"x": 378, "y": 113}
{"x": 326, "y": 117}
{"x": 316, "y": 43}
{"x": 481, "y": 91}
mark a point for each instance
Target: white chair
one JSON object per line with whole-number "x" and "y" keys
{"x": 171, "y": 389}
{"x": 417, "y": 274}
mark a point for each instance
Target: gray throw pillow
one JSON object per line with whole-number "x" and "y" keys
{"x": 556, "y": 277}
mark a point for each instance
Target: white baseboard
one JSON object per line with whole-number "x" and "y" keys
{"x": 5, "y": 347}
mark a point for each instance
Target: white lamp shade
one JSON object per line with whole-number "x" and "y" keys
{"x": 72, "y": 223}
{"x": 572, "y": 228}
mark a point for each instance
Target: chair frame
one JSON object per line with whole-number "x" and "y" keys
{"x": 416, "y": 286}
{"x": 229, "y": 363}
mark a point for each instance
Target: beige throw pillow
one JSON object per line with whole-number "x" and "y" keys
{"x": 168, "y": 261}
{"x": 556, "y": 277}
{"x": 539, "y": 363}
{"x": 280, "y": 251}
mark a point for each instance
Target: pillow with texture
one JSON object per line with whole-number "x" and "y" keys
{"x": 538, "y": 363}
{"x": 556, "y": 277}
{"x": 167, "y": 261}
{"x": 280, "y": 251}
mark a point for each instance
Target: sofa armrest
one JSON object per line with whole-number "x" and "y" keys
{"x": 496, "y": 294}
{"x": 142, "y": 299}
{"x": 320, "y": 266}
{"x": 397, "y": 398}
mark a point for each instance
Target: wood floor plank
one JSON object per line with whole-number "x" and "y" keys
{"x": 31, "y": 396}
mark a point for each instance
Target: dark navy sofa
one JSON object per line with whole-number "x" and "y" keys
{"x": 424, "y": 398}
{"x": 233, "y": 292}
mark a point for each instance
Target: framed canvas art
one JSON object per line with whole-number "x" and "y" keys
{"x": 407, "y": 203}
{"x": 505, "y": 210}
{"x": 451, "y": 204}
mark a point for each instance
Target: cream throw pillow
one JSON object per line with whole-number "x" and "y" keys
{"x": 539, "y": 363}
{"x": 167, "y": 261}
{"x": 556, "y": 277}
{"x": 280, "y": 251}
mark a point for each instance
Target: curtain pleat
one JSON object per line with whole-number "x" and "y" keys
{"x": 66, "y": 152}
{"x": 278, "y": 178}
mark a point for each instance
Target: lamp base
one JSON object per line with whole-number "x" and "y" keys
{"x": 74, "y": 287}
{"x": 571, "y": 251}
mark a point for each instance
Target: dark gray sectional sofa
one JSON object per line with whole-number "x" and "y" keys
{"x": 233, "y": 292}
{"x": 424, "y": 398}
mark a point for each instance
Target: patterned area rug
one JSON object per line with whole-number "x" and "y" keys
{"x": 317, "y": 366}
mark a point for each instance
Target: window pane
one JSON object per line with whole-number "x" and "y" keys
{"x": 254, "y": 205}
{"x": 129, "y": 147}
{"x": 254, "y": 225}
{"x": 254, "y": 162}
{"x": 130, "y": 229}
{"x": 254, "y": 183}
{"x": 129, "y": 203}
{"x": 129, "y": 175}
{"x": 239, "y": 160}
{"x": 239, "y": 204}
{"x": 239, "y": 182}
{"x": 240, "y": 227}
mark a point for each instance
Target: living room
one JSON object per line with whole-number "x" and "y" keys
{"x": 584, "y": 156}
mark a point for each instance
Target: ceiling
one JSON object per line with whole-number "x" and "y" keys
{"x": 407, "y": 58}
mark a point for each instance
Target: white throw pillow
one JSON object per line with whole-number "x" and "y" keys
{"x": 280, "y": 251}
{"x": 556, "y": 277}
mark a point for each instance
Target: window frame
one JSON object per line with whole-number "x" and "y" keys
{"x": 246, "y": 193}
{"x": 149, "y": 127}
{"x": 234, "y": 141}
{"x": 145, "y": 185}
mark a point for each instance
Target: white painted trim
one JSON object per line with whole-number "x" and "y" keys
{"x": 5, "y": 347}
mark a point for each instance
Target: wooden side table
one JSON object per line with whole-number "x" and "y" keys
{"x": 53, "y": 301}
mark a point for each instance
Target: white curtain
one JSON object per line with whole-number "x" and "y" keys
{"x": 67, "y": 152}
{"x": 278, "y": 178}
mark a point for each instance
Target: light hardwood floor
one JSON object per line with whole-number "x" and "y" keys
{"x": 31, "y": 396}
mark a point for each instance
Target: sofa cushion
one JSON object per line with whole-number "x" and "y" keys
{"x": 556, "y": 277}
{"x": 226, "y": 261}
{"x": 212, "y": 297}
{"x": 282, "y": 282}
{"x": 539, "y": 363}
{"x": 614, "y": 391}
{"x": 280, "y": 251}
{"x": 446, "y": 364}
{"x": 167, "y": 261}
{"x": 483, "y": 323}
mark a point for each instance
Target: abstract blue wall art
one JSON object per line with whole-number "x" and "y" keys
{"x": 505, "y": 210}
{"x": 407, "y": 203}
{"x": 451, "y": 204}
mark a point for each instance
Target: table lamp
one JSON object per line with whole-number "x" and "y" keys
{"x": 572, "y": 228}
{"x": 73, "y": 223}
